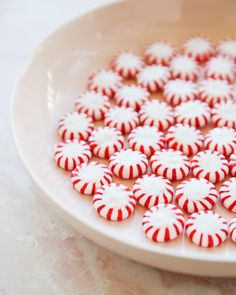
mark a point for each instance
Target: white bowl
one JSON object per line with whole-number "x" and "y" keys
{"x": 52, "y": 79}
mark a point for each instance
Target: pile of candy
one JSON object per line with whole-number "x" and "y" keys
{"x": 169, "y": 125}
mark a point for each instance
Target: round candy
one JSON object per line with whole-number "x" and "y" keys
{"x": 228, "y": 194}
{"x": 92, "y": 103}
{"x": 184, "y": 138}
{"x": 88, "y": 177}
{"x": 133, "y": 96}
{"x": 222, "y": 140}
{"x": 223, "y": 114}
{"x": 156, "y": 113}
{"x": 178, "y": 91}
{"x": 163, "y": 223}
{"x": 220, "y": 67}
{"x": 105, "y": 81}
{"x": 171, "y": 164}
{"x": 194, "y": 195}
{"x": 227, "y": 48}
{"x": 214, "y": 91}
{"x": 184, "y": 67}
{"x": 210, "y": 165}
{"x": 146, "y": 139}
{"x": 232, "y": 229}
{"x": 206, "y": 229}
{"x": 153, "y": 77}
{"x": 127, "y": 64}
{"x": 194, "y": 113}
{"x": 105, "y": 141}
{"x": 70, "y": 153}
{"x": 121, "y": 118}
{"x": 232, "y": 164}
{"x": 199, "y": 48}
{"x": 159, "y": 52}
{"x": 75, "y": 126}
{"x": 114, "y": 202}
{"x": 151, "y": 190}
{"x": 128, "y": 164}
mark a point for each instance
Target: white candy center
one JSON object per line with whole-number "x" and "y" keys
{"x": 228, "y": 111}
{"x": 163, "y": 218}
{"x": 185, "y": 135}
{"x": 151, "y": 73}
{"x": 217, "y": 88}
{"x": 183, "y": 64}
{"x": 222, "y": 135}
{"x": 220, "y": 65}
{"x": 162, "y": 50}
{"x": 198, "y": 45}
{"x": 171, "y": 159}
{"x": 229, "y": 47}
{"x": 115, "y": 196}
{"x": 152, "y": 185}
{"x": 131, "y": 93}
{"x": 180, "y": 87}
{"x": 105, "y": 136}
{"x": 122, "y": 114}
{"x": 232, "y": 189}
{"x": 76, "y": 123}
{"x": 196, "y": 189}
{"x": 208, "y": 223}
{"x": 157, "y": 110}
{"x": 93, "y": 100}
{"x": 210, "y": 162}
{"x": 73, "y": 149}
{"x": 91, "y": 173}
{"x": 105, "y": 78}
{"x": 147, "y": 135}
{"x": 128, "y": 60}
{"x": 191, "y": 109}
{"x": 128, "y": 157}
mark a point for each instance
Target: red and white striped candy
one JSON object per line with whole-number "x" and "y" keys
{"x": 184, "y": 138}
{"x": 222, "y": 140}
{"x": 196, "y": 194}
{"x": 151, "y": 190}
{"x": 121, "y": 118}
{"x": 105, "y": 81}
{"x": 70, "y": 153}
{"x": 220, "y": 67}
{"x": 146, "y": 139}
{"x": 159, "y": 52}
{"x": 232, "y": 229}
{"x": 128, "y": 164}
{"x": 114, "y": 202}
{"x": 194, "y": 113}
{"x": 228, "y": 194}
{"x": 163, "y": 223}
{"x": 153, "y": 77}
{"x": 156, "y": 113}
{"x": 178, "y": 91}
{"x": 92, "y": 103}
{"x": 210, "y": 165}
{"x": 75, "y": 126}
{"x": 132, "y": 96}
{"x": 223, "y": 114}
{"x": 171, "y": 164}
{"x": 127, "y": 64}
{"x": 227, "y": 48}
{"x": 214, "y": 91}
{"x": 232, "y": 164}
{"x": 105, "y": 141}
{"x": 199, "y": 48}
{"x": 88, "y": 177}
{"x": 184, "y": 67}
{"x": 206, "y": 229}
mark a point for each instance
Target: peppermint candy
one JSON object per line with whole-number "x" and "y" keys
{"x": 121, "y": 118}
{"x": 105, "y": 81}
{"x": 194, "y": 195}
{"x": 194, "y": 113}
{"x": 93, "y": 104}
{"x": 105, "y": 141}
{"x": 227, "y": 48}
{"x": 214, "y": 91}
{"x": 88, "y": 177}
{"x": 184, "y": 138}
{"x": 206, "y": 229}
{"x": 163, "y": 223}
{"x": 222, "y": 140}
{"x": 146, "y": 139}
{"x": 132, "y": 96}
{"x": 127, "y": 64}
{"x": 128, "y": 164}
{"x": 153, "y": 77}
{"x": 232, "y": 164}
{"x": 171, "y": 164}
{"x": 232, "y": 229}
{"x": 210, "y": 165}
{"x": 184, "y": 67}
{"x": 114, "y": 202}
{"x": 178, "y": 91}
{"x": 156, "y": 113}
{"x": 159, "y": 52}
{"x": 223, "y": 114}
{"x": 151, "y": 190}
{"x": 75, "y": 126}
{"x": 228, "y": 194}
{"x": 70, "y": 153}
{"x": 220, "y": 67}
{"x": 199, "y": 48}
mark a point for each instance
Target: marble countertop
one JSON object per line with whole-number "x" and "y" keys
{"x": 40, "y": 254}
